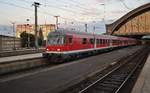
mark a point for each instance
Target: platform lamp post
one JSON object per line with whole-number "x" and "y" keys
{"x": 13, "y": 25}
{"x": 104, "y": 11}
{"x": 28, "y": 32}
{"x": 94, "y": 34}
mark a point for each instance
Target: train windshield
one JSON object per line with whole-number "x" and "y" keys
{"x": 56, "y": 39}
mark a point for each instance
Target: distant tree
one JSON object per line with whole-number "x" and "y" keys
{"x": 27, "y": 39}
{"x": 24, "y": 38}
{"x": 40, "y": 38}
{"x": 32, "y": 40}
{"x": 104, "y": 33}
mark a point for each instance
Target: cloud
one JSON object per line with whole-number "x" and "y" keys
{"x": 118, "y": 11}
{"x": 100, "y": 1}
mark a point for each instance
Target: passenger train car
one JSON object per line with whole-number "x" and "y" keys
{"x": 63, "y": 44}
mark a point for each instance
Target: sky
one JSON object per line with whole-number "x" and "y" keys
{"x": 78, "y": 11}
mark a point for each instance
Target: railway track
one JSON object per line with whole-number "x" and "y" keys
{"x": 114, "y": 80}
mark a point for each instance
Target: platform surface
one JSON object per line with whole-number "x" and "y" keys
{"x": 20, "y": 57}
{"x": 143, "y": 82}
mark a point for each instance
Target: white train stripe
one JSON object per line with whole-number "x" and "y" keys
{"x": 78, "y": 51}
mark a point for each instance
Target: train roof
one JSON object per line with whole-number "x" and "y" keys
{"x": 86, "y": 34}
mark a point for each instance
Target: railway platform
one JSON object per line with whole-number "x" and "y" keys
{"x": 143, "y": 82}
{"x": 19, "y": 57}
{"x": 9, "y": 53}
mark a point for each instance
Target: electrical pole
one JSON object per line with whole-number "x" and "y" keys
{"x": 56, "y": 21}
{"x": 36, "y": 4}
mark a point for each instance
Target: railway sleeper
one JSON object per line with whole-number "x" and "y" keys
{"x": 108, "y": 85}
{"x": 102, "y": 89}
{"x": 112, "y": 82}
{"x": 97, "y": 91}
{"x": 120, "y": 75}
{"x": 115, "y": 80}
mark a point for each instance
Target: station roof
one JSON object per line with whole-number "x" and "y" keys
{"x": 117, "y": 24}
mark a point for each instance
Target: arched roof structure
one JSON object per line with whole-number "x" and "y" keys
{"x": 117, "y": 24}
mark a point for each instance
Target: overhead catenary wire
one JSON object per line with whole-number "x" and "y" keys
{"x": 73, "y": 18}
{"x": 52, "y": 6}
{"x": 122, "y": 1}
{"x": 11, "y": 4}
{"x": 14, "y": 5}
{"x": 48, "y": 5}
{"x": 81, "y": 13}
{"x": 64, "y": 7}
{"x": 77, "y": 5}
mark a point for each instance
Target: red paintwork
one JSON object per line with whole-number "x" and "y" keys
{"x": 77, "y": 42}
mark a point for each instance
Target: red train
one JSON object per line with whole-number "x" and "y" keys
{"x": 63, "y": 44}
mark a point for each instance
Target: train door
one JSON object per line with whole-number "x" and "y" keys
{"x": 91, "y": 43}
{"x": 94, "y": 42}
{"x": 110, "y": 42}
{"x": 70, "y": 42}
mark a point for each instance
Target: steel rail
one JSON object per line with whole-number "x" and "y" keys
{"x": 100, "y": 79}
{"x": 131, "y": 73}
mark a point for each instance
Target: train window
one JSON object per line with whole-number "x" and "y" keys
{"x": 97, "y": 41}
{"x": 101, "y": 41}
{"x": 84, "y": 41}
{"x": 108, "y": 42}
{"x": 56, "y": 39}
{"x": 104, "y": 41}
{"x": 70, "y": 40}
{"x": 92, "y": 41}
{"x": 113, "y": 41}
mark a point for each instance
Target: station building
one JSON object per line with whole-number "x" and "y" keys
{"x": 29, "y": 28}
{"x": 9, "y": 43}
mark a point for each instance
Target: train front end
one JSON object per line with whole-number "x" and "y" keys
{"x": 56, "y": 45}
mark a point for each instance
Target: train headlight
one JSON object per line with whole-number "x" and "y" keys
{"x": 58, "y": 49}
{"x": 47, "y": 49}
